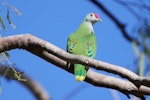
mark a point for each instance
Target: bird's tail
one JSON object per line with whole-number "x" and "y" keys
{"x": 80, "y": 72}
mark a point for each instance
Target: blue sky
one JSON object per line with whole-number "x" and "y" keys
{"x": 53, "y": 21}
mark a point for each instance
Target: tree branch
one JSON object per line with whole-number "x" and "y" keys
{"x": 34, "y": 87}
{"x": 138, "y": 4}
{"x": 59, "y": 57}
{"x": 97, "y": 79}
{"x": 136, "y": 15}
{"x": 117, "y": 22}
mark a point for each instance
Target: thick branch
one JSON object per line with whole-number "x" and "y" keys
{"x": 97, "y": 79}
{"x": 30, "y": 42}
{"x": 59, "y": 57}
{"x": 33, "y": 86}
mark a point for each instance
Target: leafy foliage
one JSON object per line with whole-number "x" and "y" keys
{"x": 4, "y": 56}
{"x": 9, "y": 7}
{"x": 142, "y": 50}
{"x": 2, "y": 23}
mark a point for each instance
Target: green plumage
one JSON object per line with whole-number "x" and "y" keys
{"x": 82, "y": 42}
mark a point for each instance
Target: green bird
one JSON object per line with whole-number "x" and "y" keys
{"x": 83, "y": 42}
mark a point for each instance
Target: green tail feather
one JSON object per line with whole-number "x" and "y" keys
{"x": 80, "y": 72}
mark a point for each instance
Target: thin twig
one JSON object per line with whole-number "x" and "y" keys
{"x": 34, "y": 87}
{"x": 129, "y": 9}
{"x": 116, "y": 21}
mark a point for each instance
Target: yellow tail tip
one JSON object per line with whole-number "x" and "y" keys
{"x": 80, "y": 78}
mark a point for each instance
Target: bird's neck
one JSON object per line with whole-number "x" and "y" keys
{"x": 87, "y": 26}
{"x": 90, "y": 26}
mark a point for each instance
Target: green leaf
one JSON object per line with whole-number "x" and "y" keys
{"x": 2, "y": 23}
{"x": 2, "y": 55}
{"x": 18, "y": 76}
{"x": 135, "y": 48}
{"x": 9, "y": 19}
{"x": 7, "y": 54}
{"x": 6, "y": 71}
{"x": 17, "y": 11}
{"x": 147, "y": 51}
{"x": 141, "y": 64}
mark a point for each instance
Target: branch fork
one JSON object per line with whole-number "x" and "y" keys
{"x": 135, "y": 85}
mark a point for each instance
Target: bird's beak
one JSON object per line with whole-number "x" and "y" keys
{"x": 99, "y": 19}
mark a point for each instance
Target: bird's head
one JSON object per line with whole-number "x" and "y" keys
{"x": 93, "y": 18}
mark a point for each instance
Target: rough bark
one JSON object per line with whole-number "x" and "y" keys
{"x": 136, "y": 85}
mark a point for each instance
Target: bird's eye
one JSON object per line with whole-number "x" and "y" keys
{"x": 91, "y": 14}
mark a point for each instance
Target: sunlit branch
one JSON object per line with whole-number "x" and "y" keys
{"x": 58, "y": 57}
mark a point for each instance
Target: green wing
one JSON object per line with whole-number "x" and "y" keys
{"x": 71, "y": 43}
{"x": 82, "y": 46}
{"x": 91, "y": 46}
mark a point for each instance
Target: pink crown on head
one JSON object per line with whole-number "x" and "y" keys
{"x": 96, "y": 15}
